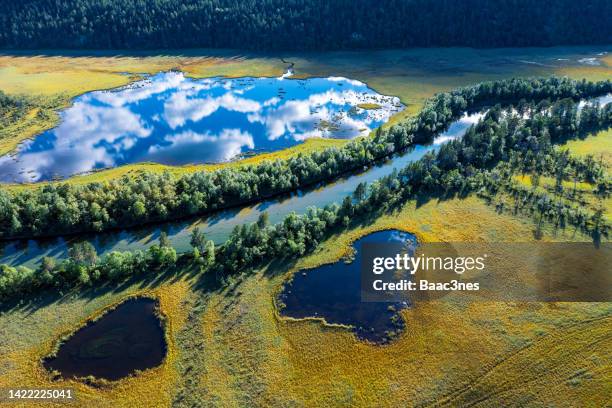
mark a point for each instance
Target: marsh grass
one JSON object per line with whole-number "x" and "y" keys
{"x": 227, "y": 345}
{"x": 448, "y": 347}
{"x": 599, "y": 146}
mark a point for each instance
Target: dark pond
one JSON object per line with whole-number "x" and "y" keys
{"x": 125, "y": 339}
{"x": 171, "y": 119}
{"x": 333, "y": 292}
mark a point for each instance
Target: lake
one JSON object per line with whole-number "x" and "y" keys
{"x": 175, "y": 120}
{"x": 128, "y": 338}
{"x": 333, "y": 292}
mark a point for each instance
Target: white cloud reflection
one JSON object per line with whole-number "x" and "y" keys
{"x": 194, "y": 147}
{"x": 87, "y": 137}
{"x": 322, "y": 115}
{"x": 182, "y": 107}
{"x": 171, "y": 119}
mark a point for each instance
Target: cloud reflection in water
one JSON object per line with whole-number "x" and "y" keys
{"x": 171, "y": 119}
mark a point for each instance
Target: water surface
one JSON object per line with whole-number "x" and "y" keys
{"x": 126, "y": 339}
{"x": 333, "y": 292}
{"x": 174, "y": 120}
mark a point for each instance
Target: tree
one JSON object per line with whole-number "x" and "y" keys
{"x": 360, "y": 191}
{"x": 198, "y": 240}
{"x": 83, "y": 253}
{"x": 280, "y": 25}
{"x": 209, "y": 253}
{"x": 263, "y": 220}
{"x": 60, "y": 208}
{"x": 164, "y": 241}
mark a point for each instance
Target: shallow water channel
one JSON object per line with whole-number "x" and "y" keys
{"x": 219, "y": 225}
{"x": 128, "y": 338}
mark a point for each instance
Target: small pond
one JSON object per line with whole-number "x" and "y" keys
{"x": 128, "y": 338}
{"x": 333, "y": 292}
{"x": 175, "y": 120}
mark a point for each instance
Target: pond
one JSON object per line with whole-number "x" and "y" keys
{"x": 175, "y": 120}
{"x": 128, "y": 338}
{"x": 333, "y": 292}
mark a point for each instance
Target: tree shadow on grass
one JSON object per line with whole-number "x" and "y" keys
{"x": 31, "y": 303}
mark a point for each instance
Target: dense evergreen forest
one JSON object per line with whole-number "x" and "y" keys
{"x": 518, "y": 140}
{"x": 302, "y": 24}
{"x": 67, "y": 208}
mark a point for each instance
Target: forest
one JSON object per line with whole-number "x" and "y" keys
{"x": 519, "y": 139}
{"x": 302, "y": 24}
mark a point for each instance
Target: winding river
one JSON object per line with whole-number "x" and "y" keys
{"x": 218, "y": 226}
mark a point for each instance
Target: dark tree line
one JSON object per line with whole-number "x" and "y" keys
{"x": 8, "y": 102}
{"x": 502, "y": 143}
{"x": 56, "y": 209}
{"x": 302, "y": 24}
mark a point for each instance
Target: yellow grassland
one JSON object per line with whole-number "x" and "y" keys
{"x": 599, "y": 146}
{"x": 581, "y": 194}
{"x": 450, "y": 351}
{"x": 32, "y": 336}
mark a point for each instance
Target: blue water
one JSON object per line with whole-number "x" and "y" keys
{"x": 174, "y": 120}
{"x": 333, "y": 292}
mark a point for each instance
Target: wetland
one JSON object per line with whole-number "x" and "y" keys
{"x": 127, "y": 338}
